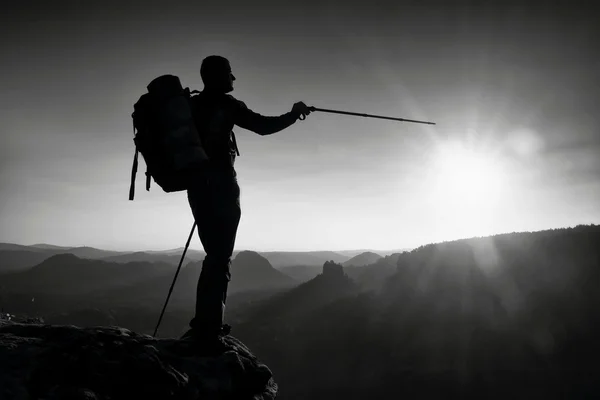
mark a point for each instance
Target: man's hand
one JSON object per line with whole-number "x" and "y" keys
{"x": 301, "y": 110}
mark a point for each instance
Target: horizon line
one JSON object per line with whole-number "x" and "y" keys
{"x": 398, "y": 249}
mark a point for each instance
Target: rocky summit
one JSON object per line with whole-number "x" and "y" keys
{"x": 39, "y": 361}
{"x": 331, "y": 268}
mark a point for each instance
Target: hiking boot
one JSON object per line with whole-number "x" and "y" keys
{"x": 201, "y": 334}
{"x": 225, "y": 329}
{"x": 207, "y": 343}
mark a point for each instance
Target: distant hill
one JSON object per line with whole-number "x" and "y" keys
{"x": 361, "y": 259}
{"x": 14, "y": 247}
{"x": 280, "y": 259}
{"x": 49, "y": 246}
{"x": 302, "y": 273}
{"x": 190, "y": 253}
{"x": 66, "y": 274}
{"x": 92, "y": 252}
{"x": 141, "y": 256}
{"x": 352, "y": 253}
{"x": 252, "y": 271}
{"x": 81, "y": 252}
{"x": 20, "y": 260}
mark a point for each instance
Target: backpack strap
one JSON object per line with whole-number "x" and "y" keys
{"x": 133, "y": 173}
{"x": 133, "y": 168}
{"x": 235, "y": 143}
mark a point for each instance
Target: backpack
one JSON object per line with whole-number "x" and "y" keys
{"x": 166, "y": 135}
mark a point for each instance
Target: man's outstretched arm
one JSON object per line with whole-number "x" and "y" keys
{"x": 263, "y": 125}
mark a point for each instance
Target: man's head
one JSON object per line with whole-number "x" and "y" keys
{"x": 216, "y": 74}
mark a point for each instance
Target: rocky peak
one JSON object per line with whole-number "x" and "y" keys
{"x": 66, "y": 362}
{"x": 332, "y": 269}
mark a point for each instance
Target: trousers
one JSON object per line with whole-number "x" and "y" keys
{"x": 215, "y": 203}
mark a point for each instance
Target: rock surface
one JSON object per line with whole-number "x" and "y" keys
{"x": 49, "y": 362}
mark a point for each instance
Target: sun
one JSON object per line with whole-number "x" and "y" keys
{"x": 466, "y": 185}
{"x": 470, "y": 175}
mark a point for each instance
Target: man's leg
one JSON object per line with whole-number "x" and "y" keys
{"x": 217, "y": 212}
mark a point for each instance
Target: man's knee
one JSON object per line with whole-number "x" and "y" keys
{"x": 217, "y": 266}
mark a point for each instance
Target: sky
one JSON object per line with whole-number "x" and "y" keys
{"x": 513, "y": 89}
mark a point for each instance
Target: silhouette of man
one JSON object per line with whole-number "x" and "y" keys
{"x": 215, "y": 196}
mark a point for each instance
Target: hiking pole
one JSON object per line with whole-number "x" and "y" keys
{"x": 175, "y": 278}
{"x": 367, "y": 115}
